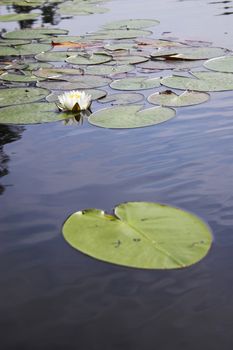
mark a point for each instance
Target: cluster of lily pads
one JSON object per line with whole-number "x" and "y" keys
{"x": 39, "y": 64}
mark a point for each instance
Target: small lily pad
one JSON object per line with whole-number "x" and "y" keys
{"x": 15, "y": 17}
{"x": 80, "y": 9}
{"x": 135, "y": 83}
{"x": 122, "y": 117}
{"x": 81, "y": 82}
{"x": 96, "y": 94}
{"x": 85, "y": 58}
{"x": 123, "y": 99}
{"x": 140, "y": 235}
{"x": 109, "y": 70}
{"x": 53, "y": 56}
{"x": 31, "y": 113}
{"x": 19, "y": 78}
{"x": 131, "y": 24}
{"x": 35, "y": 33}
{"x": 204, "y": 81}
{"x": 119, "y": 34}
{"x": 14, "y": 96}
{"x": 171, "y": 99}
{"x": 56, "y": 73}
{"x": 130, "y": 59}
{"x": 120, "y": 46}
{"x": 220, "y": 64}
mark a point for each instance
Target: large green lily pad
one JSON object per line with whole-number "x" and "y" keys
{"x": 171, "y": 99}
{"x": 31, "y": 113}
{"x": 204, "y": 81}
{"x": 15, "y": 17}
{"x": 123, "y": 99}
{"x": 220, "y": 64}
{"x": 84, "y": 58}
{"x": 129, "y": 59}
{"x": 35, "y": 33}
{"x": 131, "y": 24}
{"x": 79, "y": 82}
{"x": 140, "y": 235}
{"x": 122, "y": 117}
{"x": 135, "y": 83}
{"x": 24, "y": 50}
{"x": 14, "y": 96}
{"x": 198, "y": 53}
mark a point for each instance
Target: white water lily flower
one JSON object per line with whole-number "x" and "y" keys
{"x": 74, "y": 101}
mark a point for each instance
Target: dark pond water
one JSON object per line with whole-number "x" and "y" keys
{"x": 53, "y": 297}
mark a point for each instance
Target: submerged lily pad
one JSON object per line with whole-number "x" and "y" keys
{"x": 84, "y": 58}
{"x": 79, "y": 82}
{"x": 122, "y": 99}
{"x": 96, "y": 94}
{"x": 204, "y": 81}
{"x": 220, "y": 64}
{"x": 31, "y": 113}
{"x": 171, "y": 99}
{"x": 135, "y": 83}
{"x": 131, "y": 24}
{"x": 15, "y": 17}
{"x": 130, "y": 59}
{"x": 169, "y": 65}
{"x": 120, "y": 46}
{"x": 35, "y": 33}
{"x": 14, "y": 96}
{"x": 140, "y": 235}
{"x": 130, "y": 117}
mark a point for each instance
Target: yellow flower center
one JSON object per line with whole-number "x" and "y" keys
{"x": 75, "y": 95}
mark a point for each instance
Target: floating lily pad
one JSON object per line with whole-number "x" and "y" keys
{"x": 31, "y": 113}
{"x": 130, "y": 59}
{"x": 131, "y": 24}
{"x": 135, "y": 83}
{"x": 108, "y": 70}
{"x": 19, "y": 78}
{"x": 84, "y": 58}
{"x": 37, "y": 65}
{"x": 158, "y": 43}
{"x": 171, "y": 99}
{"x": 53, "y": 56}
{"x": 119, "y": 34}
{"x": 122, "y": 99}
{"x": 81, "y": 82}
{"x": 56, "y": 73}
{"x": 23, "y": 50}
{"x": 70, "y": 8}
{"x": 130, "y": 117}
{"x": 220, "y": 64}
{"x": 15, "y": 17}
{"x": 120, "y": 46}
{"x": 169, "y": 65}
{"x": 36, "y": 33}
{"x": 140, "y": 235}
{"x": 14, "y": 96}
{"x": 206, "y": 81}
{"x": 96, "y": 94}
{"x": 198, "y": 53}
{"x": 12, "y": 42}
